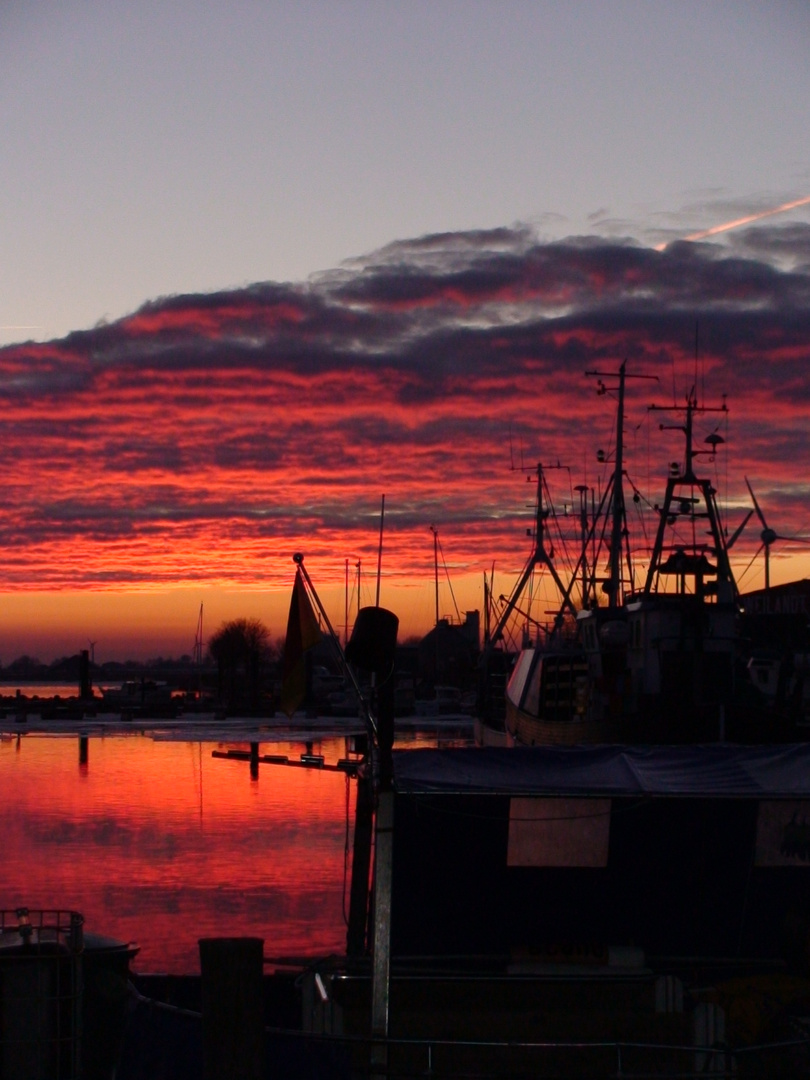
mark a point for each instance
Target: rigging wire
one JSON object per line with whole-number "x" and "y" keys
{"x": 447, "y": 575}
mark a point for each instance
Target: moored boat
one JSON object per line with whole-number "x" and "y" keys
{"x": 669, "y": 659}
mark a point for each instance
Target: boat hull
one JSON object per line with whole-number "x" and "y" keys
{"x": 528, "y": 730}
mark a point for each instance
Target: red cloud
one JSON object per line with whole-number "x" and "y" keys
{"x": 202, "y": 439}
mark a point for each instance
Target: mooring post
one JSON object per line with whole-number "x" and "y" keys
{"x": 232, "y": 1008}
{"x": 373, "y": 648}
{"x": 85, "y": 679}
{"x": 383, "y": 871}
{"x": 381, "y": 947}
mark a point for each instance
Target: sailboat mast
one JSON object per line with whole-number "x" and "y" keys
{"x": 198, "y": 639}
{"x": 435, "y": 532}
{"x": 379, "y": 549}
{"x": 198, "y": 651}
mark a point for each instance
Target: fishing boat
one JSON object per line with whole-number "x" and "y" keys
{"x": 669, "y": 660}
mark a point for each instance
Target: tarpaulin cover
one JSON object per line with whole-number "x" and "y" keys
{"x": 717, "y": 770}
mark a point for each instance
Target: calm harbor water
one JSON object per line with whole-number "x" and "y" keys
{"x": 158, "y": 843}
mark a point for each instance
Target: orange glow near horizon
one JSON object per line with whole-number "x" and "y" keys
{"x": 183, "y": 454}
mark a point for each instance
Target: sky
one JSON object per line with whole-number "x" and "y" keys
{"x": 264, "y": 264}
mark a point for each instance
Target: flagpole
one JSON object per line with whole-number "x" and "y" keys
{"x": 298, "y": 559}
{"x": 379, "y": 549}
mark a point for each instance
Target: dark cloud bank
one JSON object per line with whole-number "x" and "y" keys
{"x": 416, "y": 369}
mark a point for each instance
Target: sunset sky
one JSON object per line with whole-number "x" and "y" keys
{"x": 266, "y": 263}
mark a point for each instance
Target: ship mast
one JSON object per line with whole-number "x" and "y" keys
{"x": 540, "y": 556}
{"x": 619, "y": 518}
{"x": 617, "y": 584}
{"x": 689, "y": 559}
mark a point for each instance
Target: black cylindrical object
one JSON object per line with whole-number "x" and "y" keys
{"x": 374, "y": 640}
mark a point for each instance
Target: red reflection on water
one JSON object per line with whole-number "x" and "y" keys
{"x": 158, "y": 843}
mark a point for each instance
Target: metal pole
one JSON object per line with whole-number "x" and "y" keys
{"x": 435, "y": 532}
{"x": 379, "y": 549}
{"x": 381, "y": 947}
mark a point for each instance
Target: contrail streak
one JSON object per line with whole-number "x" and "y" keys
{"x": 715, "y": 229}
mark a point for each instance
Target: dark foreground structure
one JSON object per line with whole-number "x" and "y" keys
{"x": 593, "y": 911}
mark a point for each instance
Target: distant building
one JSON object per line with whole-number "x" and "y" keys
{"x": 448, "y": 654}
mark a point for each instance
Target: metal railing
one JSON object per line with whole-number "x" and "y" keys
{"x": 521, "y": 1059}
{"x": 40, "y": 994}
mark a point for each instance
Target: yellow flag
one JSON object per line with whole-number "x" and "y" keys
{"x": 302, "y": 633}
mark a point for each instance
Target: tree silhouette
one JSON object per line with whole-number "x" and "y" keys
{"x": 240, "y": 649}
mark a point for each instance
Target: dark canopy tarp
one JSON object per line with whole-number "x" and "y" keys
{"x": 722, "y": 771}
